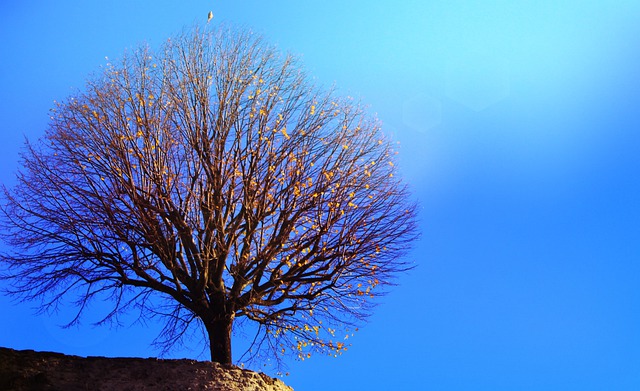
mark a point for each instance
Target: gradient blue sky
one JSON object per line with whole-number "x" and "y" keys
{"x": 519, "y": 125}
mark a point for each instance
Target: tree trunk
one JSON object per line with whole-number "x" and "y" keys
{"x": 219, "y": 331}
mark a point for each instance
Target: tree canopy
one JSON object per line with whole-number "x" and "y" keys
{"x": 211, "y": 182}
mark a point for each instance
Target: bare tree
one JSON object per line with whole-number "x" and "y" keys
{"x": 214, "y": 175}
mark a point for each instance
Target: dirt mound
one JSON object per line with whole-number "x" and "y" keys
{"x": 22, "y": 370}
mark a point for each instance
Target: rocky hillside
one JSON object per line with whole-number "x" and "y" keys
{"x": 22, "y": 370}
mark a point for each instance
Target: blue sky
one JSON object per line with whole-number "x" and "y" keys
{"x": 520, "y": 138}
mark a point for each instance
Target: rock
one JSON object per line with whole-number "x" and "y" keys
{"x": 22, "y": 370}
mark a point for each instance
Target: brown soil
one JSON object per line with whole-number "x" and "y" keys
{"x": 22, "y": 370}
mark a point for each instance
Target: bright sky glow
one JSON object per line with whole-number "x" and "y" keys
{"x": 518, "y": 124}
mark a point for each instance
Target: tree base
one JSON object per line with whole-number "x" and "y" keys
{"x": 22, "y": 370}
